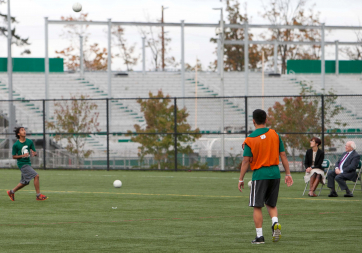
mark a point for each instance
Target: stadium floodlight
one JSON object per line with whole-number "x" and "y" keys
{"x": 143, "y": 55}
{"x": 81, "y": 57}
{"x": 163, "y": 38}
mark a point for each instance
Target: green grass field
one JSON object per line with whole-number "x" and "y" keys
{"x": 167, "y": 212}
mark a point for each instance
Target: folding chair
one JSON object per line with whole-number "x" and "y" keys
{"x": 358, "y": 176}
{"x": 358, "y": 171}
{"x": 325, "y": 165}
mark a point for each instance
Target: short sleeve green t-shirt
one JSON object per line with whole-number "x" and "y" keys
{"x": 20, "y": 148}
{"x": 271, "y": 172}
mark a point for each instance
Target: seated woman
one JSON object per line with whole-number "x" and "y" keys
{"x": 313, "y": 164}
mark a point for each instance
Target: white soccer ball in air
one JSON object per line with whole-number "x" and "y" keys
{"x": 77, "y": 7}
{"x": 117, "y": 183}
{"x": 249, "y": 183}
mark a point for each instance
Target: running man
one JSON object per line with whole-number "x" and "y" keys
{"x": 21, "y": 151}
{"x": 262, "y": 149}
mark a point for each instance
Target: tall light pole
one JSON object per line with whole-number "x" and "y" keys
{"x": 143, "y": 55}
{"x": 218, "y": 55}
{"x": 337, "y": 62}
{"x": 163, "y": 39}
{"x": 246, "y": 58}
{"x": 46, "y": 72}
{"x": 183, "y": 61}
{"x": 109, "y": 71}
{"x": 221, "y": 37}
{"x": 11, "y": 112}
{"x": 323, "y": 63}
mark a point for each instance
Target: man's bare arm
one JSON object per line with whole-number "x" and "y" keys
{"x": 20, "y": 156}
{"x": 244, "y": 168}
{"x": 288, "y": 177}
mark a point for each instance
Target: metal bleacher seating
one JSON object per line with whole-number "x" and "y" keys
{"x": 126, "y": 113}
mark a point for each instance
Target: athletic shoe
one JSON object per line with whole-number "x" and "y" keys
{"x": 41, "y": 197}
{"x": 258, "y": 240}
{"x": 277, "y": 234}
{"x": 348, "y": 195}
{"x": 11, "y": 195}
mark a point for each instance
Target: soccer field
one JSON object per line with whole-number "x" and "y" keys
{"x": 168, "y": 212}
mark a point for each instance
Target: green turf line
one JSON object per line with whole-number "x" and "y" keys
{"x": 163, "y": 219}
{"x": 187, "y": 195}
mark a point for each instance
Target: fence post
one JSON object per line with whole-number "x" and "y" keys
{"x": 175, "y": 130}
{"x": 323, "y": 62}
{"x": 322, "y": 96}
{"x": 44, "y": 139}
{"x": 246, "y": 116}
{"x": 107, "y": 107}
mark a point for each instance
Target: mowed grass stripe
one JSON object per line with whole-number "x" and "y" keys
{"x": 187, "y": 195}
{"x": 163, "y": 219}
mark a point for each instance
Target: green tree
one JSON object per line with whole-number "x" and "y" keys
{"x": 190, "y": 67}
{"x": 157, "y": 137}
{"x": 126, "y": 52}
{"x": 75, "y": 117}
{"x": 95, "y": 58}
{"x": 154, "y": 43}
{"x": 354, "y": 52}
{"x": 16, "y": 38}
{"x": 234, "y": 54}
{"x": 292, "y": 12}
{"x": 303, "y": 114}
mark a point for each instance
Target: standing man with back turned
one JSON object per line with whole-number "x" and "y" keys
{"x": 262, "y": 149}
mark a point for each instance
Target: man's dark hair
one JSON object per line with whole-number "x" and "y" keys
{"x": 16, "y": 131}
{"x": 259, "y": 116}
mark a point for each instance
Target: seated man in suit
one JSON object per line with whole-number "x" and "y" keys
{"x": 345, "y": 169}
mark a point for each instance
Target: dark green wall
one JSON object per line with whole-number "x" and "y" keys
{"x": 32, "y": 65}
{"x": 314, "y": 66}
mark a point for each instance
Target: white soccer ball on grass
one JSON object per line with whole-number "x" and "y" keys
{"x": 77, "y": 7}
{"x": 117, "y": 183}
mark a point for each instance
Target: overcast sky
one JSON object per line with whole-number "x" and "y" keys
{"x": 31, "y": 13}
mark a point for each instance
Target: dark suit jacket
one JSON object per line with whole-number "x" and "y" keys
{"x": 350, "y": 165}
{"x": 318, "y": 159}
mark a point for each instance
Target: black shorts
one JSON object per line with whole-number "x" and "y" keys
{"x": 264, "y": 191}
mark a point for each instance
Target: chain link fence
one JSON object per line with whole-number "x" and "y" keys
{"x": 174, "y": 133}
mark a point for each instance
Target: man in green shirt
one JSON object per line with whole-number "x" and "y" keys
{"x": 262, "y": 149}
{"x": 22, "y": 149}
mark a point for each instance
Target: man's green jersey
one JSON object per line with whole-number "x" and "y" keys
{"x": 271, "y": 172}
{"x": 21, "y": 148}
